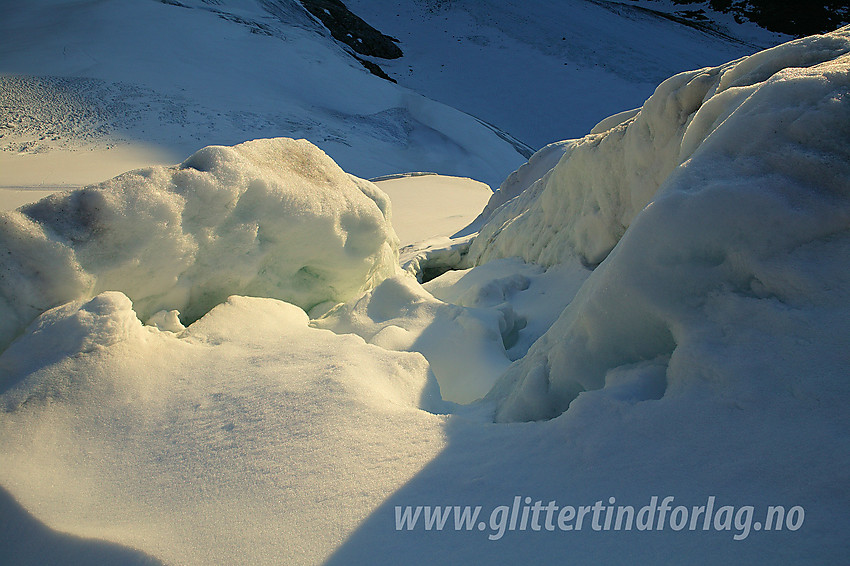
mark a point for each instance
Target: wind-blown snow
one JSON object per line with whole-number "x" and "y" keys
{"x": 273, "y": 218}
{"x": 726, "y": 198}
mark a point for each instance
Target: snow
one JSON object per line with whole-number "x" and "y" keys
{"x": 465, "y": 347}
{"x": 425, "y": 206}
{"x": 535, "y": 296}
{"x": 537, "y": 166}
{"x": 658, "y": 309}
{"x": 73, "y": 169}
{"x": 250, "y": 438}
{"x": 10, "y": 199}
{"x": 701, "y": 218}
{"x": 75, "y": 78}
{"x": 275, "y": 218}
{"x": 583, "y": 207}
{"x": 557, "y": 67}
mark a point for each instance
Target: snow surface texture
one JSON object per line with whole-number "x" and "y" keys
{"x": 274, "y": 218}
{"x": 725, "y": 203}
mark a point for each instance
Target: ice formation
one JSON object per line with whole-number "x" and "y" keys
{"x": 726, "y": 194}
{"x": 273, "y": 218}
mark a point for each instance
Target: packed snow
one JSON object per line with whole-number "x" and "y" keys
{"x": 657, "y": 311}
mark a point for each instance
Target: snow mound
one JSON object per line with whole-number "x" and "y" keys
{"x": 246, "y": 425}
{"x": 272, "y": 218}
{"x": 727, "y": 200}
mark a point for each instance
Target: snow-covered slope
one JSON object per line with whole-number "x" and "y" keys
{"x": 167, "y": 78}
{"x": 786, "y": 16}
{"x": 547, "y": 71}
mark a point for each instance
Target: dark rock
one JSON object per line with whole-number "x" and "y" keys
{"x": 352, "y": 30}
{"x": 794, "y": 17}
{"x": 375, "y": 70}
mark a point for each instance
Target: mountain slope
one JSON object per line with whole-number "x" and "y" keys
{"x": 178, "y": 76}
{"x": 547, "y": 71}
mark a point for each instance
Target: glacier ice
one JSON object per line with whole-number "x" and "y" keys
{"x": 727, "y": 193}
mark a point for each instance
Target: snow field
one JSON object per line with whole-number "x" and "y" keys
{"x": 78, "y": 79}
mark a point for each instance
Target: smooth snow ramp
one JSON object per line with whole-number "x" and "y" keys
{"x": 726, "y": 203}
{"x": 273, "y": 218}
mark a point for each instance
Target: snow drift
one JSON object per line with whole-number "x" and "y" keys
{"x": 273, "y": 218}
{"x": 718, "y": 214}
